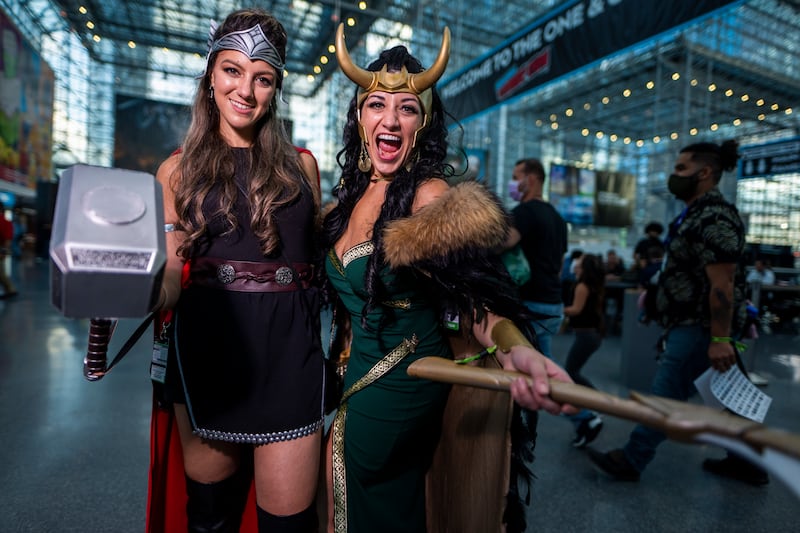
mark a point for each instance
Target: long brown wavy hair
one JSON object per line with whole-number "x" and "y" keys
{"x": 208, "y": 161}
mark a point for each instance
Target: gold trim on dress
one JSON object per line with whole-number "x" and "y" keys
{"x": 335, "y": 262}
{"x": 383, "y": 366}
{"x": 362, "y": 249}
{"x": 405, "y": 303}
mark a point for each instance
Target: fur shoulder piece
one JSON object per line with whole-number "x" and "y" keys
{"x": 467, "y": 217}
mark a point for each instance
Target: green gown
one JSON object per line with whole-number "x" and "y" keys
{"x": 391, "y": 426}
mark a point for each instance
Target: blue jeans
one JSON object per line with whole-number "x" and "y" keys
{"x": 587, "y": 341}
{"x": 545, "y": 328}
{"x": 685, "y": 357}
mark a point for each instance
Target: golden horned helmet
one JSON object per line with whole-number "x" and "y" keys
{"x": 419, "y": 84}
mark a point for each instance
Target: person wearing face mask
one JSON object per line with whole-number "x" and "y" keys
{"x": 403, "y": 250}
{"x": 542, "y": 233}
{"x": 700, "y": 303}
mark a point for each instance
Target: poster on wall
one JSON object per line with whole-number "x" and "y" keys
{"x": 592, "y": 197}
{"x": 27, "y": 84}
{"x": 615, "y": 198}
{"x": 572, "y": 193}
{"x": 147, "y": 132}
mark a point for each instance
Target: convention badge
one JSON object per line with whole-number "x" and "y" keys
{"x": 450, "y": 319}
{"x": 158, "y": 363}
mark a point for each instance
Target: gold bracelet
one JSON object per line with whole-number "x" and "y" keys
{"x": 507, "y": 335}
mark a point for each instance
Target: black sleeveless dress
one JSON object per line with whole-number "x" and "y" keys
{"x": 250, "y": 364}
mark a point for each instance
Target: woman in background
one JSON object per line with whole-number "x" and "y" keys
{"x": 585, "y": 318}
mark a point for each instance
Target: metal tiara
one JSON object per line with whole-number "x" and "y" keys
{"x": 252, "y": 43}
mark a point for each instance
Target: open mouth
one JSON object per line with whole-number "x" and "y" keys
{"x": 388, "y": 145}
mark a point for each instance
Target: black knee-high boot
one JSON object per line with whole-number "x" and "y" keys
{"x": 217, "y": 507}
{"x": 302, "y": 522}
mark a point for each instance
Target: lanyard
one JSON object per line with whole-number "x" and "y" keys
{"x": 673, "y": 228}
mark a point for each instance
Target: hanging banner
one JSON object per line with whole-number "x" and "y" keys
{"x": 571, "y": 37}
{"x": 782, "y": 157}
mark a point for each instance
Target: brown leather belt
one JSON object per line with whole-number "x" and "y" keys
{"x": 250, "y": 276}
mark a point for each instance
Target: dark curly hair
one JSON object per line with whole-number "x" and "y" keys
{"x": 592, "y": 272}
{"x": 718, "y": 157}
{"x": 428, "y": 162}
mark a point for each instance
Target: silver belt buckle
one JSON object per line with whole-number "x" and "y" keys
{"x": 226, "y": 273}
{"x": 284, "y": 276}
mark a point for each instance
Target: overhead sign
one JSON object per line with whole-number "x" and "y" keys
{"x": 782, "y": 157}
{"x": 571, "y": 37}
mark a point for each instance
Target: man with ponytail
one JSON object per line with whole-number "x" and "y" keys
{"x": 700, "y": 303}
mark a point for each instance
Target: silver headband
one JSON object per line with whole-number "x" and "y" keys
{"x": 252, "y": 43}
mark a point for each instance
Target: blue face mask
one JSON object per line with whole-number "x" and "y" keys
{"x": 513, "y": 191}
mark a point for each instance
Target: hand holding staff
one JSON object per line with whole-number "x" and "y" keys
{"x": 680, "y": 421}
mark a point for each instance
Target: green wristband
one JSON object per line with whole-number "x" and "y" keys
{"x": 483, "y": 353}
{"x": 727, "y": 340}
{"x": 721, "y": 339}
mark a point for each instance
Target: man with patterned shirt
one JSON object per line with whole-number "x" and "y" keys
{"x": 700, "y": 303}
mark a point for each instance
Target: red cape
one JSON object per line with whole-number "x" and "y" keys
{"x": 166, "y": 490}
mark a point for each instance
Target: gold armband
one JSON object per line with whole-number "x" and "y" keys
{"x": 506, "y": 335}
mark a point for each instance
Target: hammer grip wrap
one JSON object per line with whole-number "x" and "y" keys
{"x": 94, "y": 364}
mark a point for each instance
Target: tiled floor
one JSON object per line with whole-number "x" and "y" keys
{"x": 74, "y": 454}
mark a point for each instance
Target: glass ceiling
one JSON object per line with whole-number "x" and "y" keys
{"x": 735, "y": 74}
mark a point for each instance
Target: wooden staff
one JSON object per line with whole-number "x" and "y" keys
{"x": 680, "y": 421}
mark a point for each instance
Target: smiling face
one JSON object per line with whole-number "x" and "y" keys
{"x": 243, "y": 90}
{"x": 390, "y": 121}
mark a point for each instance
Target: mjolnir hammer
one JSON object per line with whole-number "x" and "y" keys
{"x": 107, "y": 251}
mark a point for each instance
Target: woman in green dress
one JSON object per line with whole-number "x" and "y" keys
{"x": 392, "y": 237}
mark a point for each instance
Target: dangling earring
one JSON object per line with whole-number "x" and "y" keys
{"x": 211, "y": 92}
{"x": 364, "y": 162}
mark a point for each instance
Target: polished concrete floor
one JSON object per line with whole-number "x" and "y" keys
{"x": 74, "y": 454}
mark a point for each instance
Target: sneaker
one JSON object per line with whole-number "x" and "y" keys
{"x": 587, "y": 431}
{"x": 736, "y": 468}
{"x": 614, "y": 464}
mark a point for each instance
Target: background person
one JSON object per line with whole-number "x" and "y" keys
{"x": 6, "y": 236}
{"x": 586, "y": 318}
{"x": 652, "y": 239}
{"x": 700, "y": 303}
{"x": 541, "y": 232}
{"x": 761, "y": 273}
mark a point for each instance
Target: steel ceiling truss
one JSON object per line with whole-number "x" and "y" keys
{"x": 751, "y": 49}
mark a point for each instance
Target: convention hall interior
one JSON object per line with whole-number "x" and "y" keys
{"x": 604, "y": 92}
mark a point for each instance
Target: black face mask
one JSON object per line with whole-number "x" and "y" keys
{"x": 683, "y": 187}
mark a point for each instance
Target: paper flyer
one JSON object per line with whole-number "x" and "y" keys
{"x": 732, "y": 390}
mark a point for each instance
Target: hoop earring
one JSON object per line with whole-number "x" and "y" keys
{"x": 364, "y": 162}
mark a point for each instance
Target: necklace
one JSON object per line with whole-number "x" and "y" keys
{"x": 381, "y": 178}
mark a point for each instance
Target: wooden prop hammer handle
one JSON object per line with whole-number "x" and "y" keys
{"x": 679, "y": 420}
